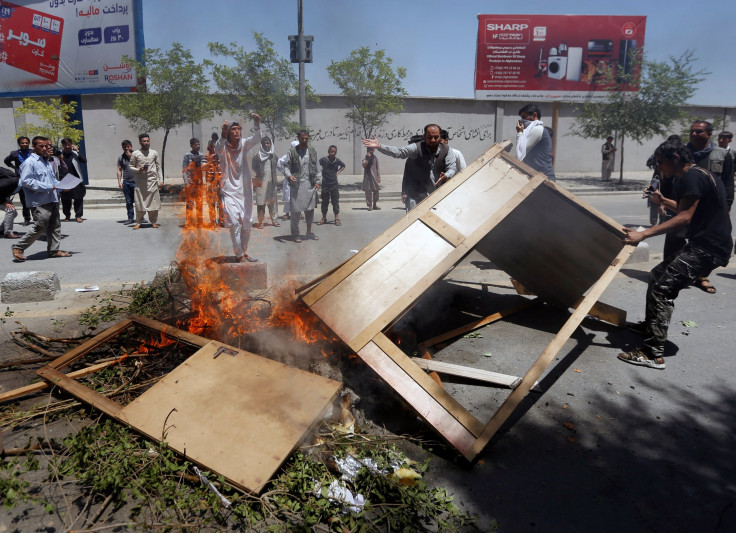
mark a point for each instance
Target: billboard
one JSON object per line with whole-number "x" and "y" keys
{"x": 68, "y": 46}
{"x": 554, "y": 57}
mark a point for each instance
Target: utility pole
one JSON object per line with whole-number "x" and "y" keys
{"x": 301, "y": 52}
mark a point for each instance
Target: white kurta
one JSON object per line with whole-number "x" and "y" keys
{"x": 236, "y": 186}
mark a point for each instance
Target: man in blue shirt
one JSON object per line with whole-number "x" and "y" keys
{"x": 41, "y": 189}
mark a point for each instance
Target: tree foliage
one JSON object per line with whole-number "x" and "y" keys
{"x": 53, "y": 120}
{"x": 664, "y": 87}
{"x": 260, "y": 81}
{"x": 174, "y": 91}
{"x": 371, "y": 85}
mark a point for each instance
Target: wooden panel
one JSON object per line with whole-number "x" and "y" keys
{"x": 549, "y": 353}
{"x": 239, "y": 416}
{"x": 555, "y": 247}
{"x": 410, "y": 218}
{"x": 423, "y": 402}
{"x": 468, "y": 207}
{"x": 79, "y": 391}
{"x": 170, "y": 331}
{"x": 363, "y": 297}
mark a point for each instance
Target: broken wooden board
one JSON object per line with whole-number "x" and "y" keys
{"x": 537, "y": 232}
{"x": 238, "y": 415}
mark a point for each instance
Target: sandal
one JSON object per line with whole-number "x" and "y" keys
{"x": 275, "y": 223}
{"x": 337, "y": 222}
{"x": 258, "y": 225}
{"x": 18, "y": 255}
{"x": 639, "y": 358}
{"x": 60, "y": 253}
{"x": 312, "y": 236}
{"x": 323, "y": 221}
{"x": 246, "y": 258}
{"x": 297, "y": 239}
{"x": 704, "y": 285}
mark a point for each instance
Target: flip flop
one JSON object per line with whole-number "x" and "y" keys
{"x": 337, "y": 222}
{"x": 312, "y": 236}
{"x": 275, "y": 223}
{"x": 323, "y": 221}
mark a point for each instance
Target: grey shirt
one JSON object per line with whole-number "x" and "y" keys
{"x": 410, "y": 151}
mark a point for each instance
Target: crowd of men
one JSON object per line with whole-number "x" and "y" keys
{"x": 693, "y": 192}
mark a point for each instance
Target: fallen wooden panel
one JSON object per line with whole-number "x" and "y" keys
{"x": 537, "y": 232}
{"x": 230, "y": 411}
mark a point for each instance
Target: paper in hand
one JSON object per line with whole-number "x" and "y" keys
{"x": 69, "y": 182}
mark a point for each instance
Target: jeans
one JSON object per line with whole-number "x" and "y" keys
{"x": 129, "y": 193}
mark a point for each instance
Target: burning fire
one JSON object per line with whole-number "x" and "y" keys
{"x": 218, "y": 309}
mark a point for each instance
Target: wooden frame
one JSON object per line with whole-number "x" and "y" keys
{"x": 229, "y": 411}
{"x": 561, "y": 249}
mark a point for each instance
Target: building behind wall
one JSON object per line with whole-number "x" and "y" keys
{"x": 473, "y": 125}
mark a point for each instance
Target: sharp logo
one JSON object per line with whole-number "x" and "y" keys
{"x": 507, "y": 27}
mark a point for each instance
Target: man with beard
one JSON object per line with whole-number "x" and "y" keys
{"x": 14, "y": 161}
{"x": 72, "y": 159}
{"x": 429, "y": 164}
{"x": 145, "y": 164}
{"x": 236, "y": 186}
{"x": 304, "y": 178}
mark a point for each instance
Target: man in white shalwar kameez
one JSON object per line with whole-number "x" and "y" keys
{"x": 236, "y": 187}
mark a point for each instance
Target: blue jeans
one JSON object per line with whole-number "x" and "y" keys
{"x": 129, "y": 192}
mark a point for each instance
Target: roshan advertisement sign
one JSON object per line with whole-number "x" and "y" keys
{"x": 554, "y": 57}
{"x": 68, "y": 46}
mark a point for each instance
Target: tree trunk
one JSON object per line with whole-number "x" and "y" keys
{"x": 621, "y": 167}
{"x": 163, "y": 156}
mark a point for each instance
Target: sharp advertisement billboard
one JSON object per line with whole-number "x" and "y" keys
{"x": 68, "y": 46}
{"x": 554, "y": 57}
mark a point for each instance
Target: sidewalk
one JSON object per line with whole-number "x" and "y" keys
{"x": 104, "y": 193}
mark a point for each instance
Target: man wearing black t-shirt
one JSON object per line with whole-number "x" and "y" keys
{"x": 700, "y": 203}
{"x": 331, "y": 168}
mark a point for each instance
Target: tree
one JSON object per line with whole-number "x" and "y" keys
{"x": 53, "y": 121}
{"x": 173, "y": 91}
{"x": 371, "y": 85}
{"x": 664, "y": 87}
{"x": 261, "y": 81}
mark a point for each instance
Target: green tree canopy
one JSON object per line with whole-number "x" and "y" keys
{"x": 175, "y": 92}
{"x": 260, "y": 81}
{"x": 653, "y": 110}
{"x": 371, "y": 85}
{"x": 53, "y": 120}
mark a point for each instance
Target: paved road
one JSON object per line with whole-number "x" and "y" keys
{"x": 606, "y": 446}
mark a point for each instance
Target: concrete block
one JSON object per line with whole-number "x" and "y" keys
{"x": 641, "y": 254}
{"x": 22, "y": 287}
{"x": 244, "y": 276}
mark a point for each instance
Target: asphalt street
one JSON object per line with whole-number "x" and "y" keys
{"x": 605, "y": 446}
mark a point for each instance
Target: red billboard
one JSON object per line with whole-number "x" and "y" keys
{"x": 555, "y": 57}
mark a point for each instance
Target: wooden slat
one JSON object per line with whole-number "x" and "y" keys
{"x": 316, "y": 280}
{"x": 79, "y": 391}
{"x": 549, "y": 353}
{"x": 608, "y": 313}
{"x": 425, "y": 404}
{"x": 170, "y": 331}
{"x": 462, "y": 330}
{"x": 80, "y": 351}
{"x": 476, "y": 374}
{"x": 442, "y": 228}
{"x": 412, "y": 216}
{"x": 35, "y": 387}
{"x": 441, "y": 396}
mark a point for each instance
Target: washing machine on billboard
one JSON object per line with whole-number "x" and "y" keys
{"x": 574, "y": 63}
{"x": 556, "y": 67}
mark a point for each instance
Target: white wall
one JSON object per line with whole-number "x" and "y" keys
{"x": 474, "y": 126}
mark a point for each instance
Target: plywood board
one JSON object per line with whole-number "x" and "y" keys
{"x": 240, "y": 416}
{"x": 540, "y": 234}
